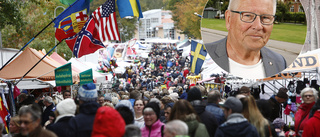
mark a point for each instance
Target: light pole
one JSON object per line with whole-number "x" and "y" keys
{"x": 55, "y": 11}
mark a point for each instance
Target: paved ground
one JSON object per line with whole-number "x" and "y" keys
{"x": 288, "y": 50}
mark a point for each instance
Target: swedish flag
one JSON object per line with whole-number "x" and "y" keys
{"x": 129, "y": 8}
{"x": 198, "y": 55}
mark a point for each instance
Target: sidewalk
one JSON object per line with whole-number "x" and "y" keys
{"x": 280, "y": 45}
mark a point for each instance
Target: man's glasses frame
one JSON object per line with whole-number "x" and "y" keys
{"x": 255, "y": 16}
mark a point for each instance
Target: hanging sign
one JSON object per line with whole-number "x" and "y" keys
{"x": 63, "y": 75}
{"x": 86, "y": 77}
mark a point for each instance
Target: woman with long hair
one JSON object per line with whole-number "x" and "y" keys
{"x": 184, "y": 111}
{"x": 252, "y": 113}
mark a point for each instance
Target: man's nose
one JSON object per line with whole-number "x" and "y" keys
{"x": 256, "y": 24}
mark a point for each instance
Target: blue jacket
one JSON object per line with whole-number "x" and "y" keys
{"x": 216, "y": 111}
{"x": 81, "y": 125}
{"x": 236, "y": 126}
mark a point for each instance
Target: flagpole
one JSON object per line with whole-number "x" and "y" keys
{"x": 37, "y": 63}
{"x": 26, "y": 45}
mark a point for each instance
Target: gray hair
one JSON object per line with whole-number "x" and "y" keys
{"x": 214, "y": 96}
{"x": 234, "y": 3}
{"x": 132, "y": 131}
{"x": 177, "y": 127}
{"x": 48, "y": 99}
{"x": 31, "y": 109}
{"x": 314, "y": 91}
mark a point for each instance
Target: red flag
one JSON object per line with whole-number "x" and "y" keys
{"x": 3, "y": 113}
{"x": 16, "y": 92}
{"x": 101, "y": 26}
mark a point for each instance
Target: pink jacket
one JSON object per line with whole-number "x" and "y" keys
{"x": 153, "y": 131}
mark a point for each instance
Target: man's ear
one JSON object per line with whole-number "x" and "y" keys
{"x": 227, "y": 15}
{"x": 38, "y": 121}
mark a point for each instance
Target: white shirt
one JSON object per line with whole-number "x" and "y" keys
{"x": 255, "y": 71}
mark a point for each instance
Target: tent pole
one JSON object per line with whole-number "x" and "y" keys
{"x": 26, "y": 45}
{"x": 37, "y": 63}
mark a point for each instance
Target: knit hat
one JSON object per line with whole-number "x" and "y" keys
{"x": 282, "y": 93}
{"x": 67, "y": 106}
{"x": 125, "y": 103}
{"x": 155, "y": 107}
{"x": 88, "y": 92}
{"x": 108, "y": 123}
{"x": 108, "y": 98}
{"x": 234, "y": 104}
{"x": 194, "y": 94}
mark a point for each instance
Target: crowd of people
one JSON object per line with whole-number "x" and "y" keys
{"x": 156, "y": 99}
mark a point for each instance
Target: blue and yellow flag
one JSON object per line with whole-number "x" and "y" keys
{"x": 129, "y": 8}
{"x": 198, "y": 55}
{"x": 71, "y": 20}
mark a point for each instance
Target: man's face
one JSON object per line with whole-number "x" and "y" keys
{"x": 27, "y": 124}
{"x": 66, "y": 95}
{"x": 101, "y": 100}
{"x": 249, "y": 36}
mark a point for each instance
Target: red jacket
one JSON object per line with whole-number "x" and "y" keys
{"x": 302, "y": 116}
{"x": 185, "y": 72}
{"x": 311, "y": 127}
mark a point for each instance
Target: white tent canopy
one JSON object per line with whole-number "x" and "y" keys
{"x": 83, "y": 67}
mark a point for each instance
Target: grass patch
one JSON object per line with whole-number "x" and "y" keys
{"x": 283, "y": 32}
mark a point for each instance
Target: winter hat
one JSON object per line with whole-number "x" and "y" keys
{"x": 108, "y": 123}
{"x": 234, "y": 104}
{"x": 125, "y": 103}
{"x": 67, "y": 106}
{"x": 282, "y": 93}
{"x": 108, "y": 98}
{"x": 88, "y": 92}
{"x": 155, "y": 107}
{"x": 194, "y": 94}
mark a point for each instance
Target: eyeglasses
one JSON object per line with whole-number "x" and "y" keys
{"x": 249, "y": 17}
{"x": 148, "y": 114}
{"x": 305, "y": 96}
{"x": 25, "y": 122}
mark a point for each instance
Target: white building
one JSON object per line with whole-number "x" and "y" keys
{"x": 158, "y": 23}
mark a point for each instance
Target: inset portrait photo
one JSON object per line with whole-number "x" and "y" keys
{"x": 253, "y": 39}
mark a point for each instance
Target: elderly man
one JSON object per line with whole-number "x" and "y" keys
{"x": 176, "y": 128}
{"x": 30, "y": 122}
{"x": 243, "y": 52}
{"x": 49, "y": 108}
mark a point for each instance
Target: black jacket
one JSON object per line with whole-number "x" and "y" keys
{"x": 46, "y": 114}
{"x": 276, "y": 109}
{"x": 60, "y": 128}
{"x": 81, "y": 125}
{"x": 207, "y": 118}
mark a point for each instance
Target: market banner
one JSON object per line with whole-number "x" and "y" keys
{"x": 63, "y": 75}
{"x": 304, "y": 62}
{"x": 86, "y": 77}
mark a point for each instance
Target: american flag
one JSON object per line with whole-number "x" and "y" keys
{"x": 105, "y": 21}
{"x": 101, "y": 26}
